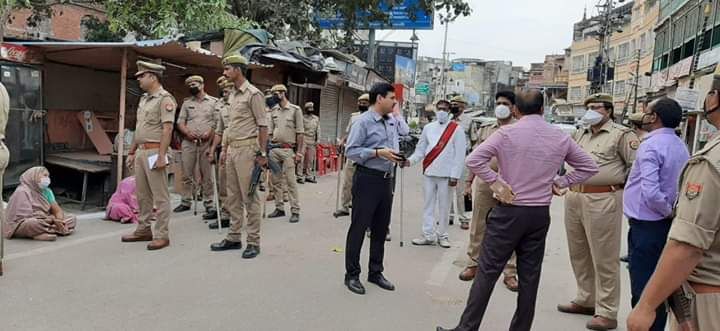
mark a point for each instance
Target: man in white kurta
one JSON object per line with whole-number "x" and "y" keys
{"x": 440, "y": 175}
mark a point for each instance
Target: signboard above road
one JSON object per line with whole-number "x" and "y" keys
{"x": 406, "y": 15}
{"x": 422, "y": 89}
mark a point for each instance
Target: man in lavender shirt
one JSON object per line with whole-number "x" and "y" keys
{"x": 529, "y": 154}
{"x": 651, "y": 192}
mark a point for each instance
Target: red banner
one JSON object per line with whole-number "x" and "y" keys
{"x": 15, "y": 53}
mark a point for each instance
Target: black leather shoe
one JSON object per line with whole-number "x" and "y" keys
{"x": 210, "y": 215}
{"x": 294, "y": 218}
{"x": 251, "y": 252}
{"x": 277, "y": 213}
{"x": 381, "y": 281}
{"x": 440, "y": 328}
{"x": 225, "y": 245}
{"x": 311, "y": 180}
{"x": 300, "y": 181}
{"x": 181, "y": 208}
{"x": 213, "y": 225}
{"x": 261, "y": 188}
{"x": 355, "y": 286}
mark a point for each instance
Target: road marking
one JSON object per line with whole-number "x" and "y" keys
{"x": 57, "y": 246}
{"x": 442, "y": 268}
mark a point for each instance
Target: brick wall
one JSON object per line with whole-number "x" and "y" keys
{"x": 64, "y": 25}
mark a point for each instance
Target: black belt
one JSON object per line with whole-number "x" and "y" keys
{"x": 373, "y": 172}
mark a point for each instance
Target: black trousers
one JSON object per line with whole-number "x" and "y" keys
{"x": 509, "y": 229}
{"x": 646, "y": 241}
{"x": 372, "y": 199}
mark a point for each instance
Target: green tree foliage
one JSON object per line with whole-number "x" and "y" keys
{"x": 292, "y": 19}
{"x": 150, "y": 19}
{"x": 99, "y": 30}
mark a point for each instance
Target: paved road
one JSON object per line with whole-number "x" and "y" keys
{"x": 90, "y": 281}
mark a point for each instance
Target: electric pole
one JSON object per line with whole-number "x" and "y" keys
{"x": 607, "y": 22}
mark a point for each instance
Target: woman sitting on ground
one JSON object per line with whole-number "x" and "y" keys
{"x": 123, "y": 206}
{"x": 32, "y": 211}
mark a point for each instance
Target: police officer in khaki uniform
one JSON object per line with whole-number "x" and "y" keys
{"x": 593, "y": 215}
{"x": 483, "y": 200}
{"x": 287, "y": 140}
{"x": 155, "y": 117}
{"x": 311, "y": 123}
{"x": 4, "y": 160}
{"x": 348, "y": 172}
{"x": 244, "y": 143}
{"x": 223, "y": 116}
{"x": 457, "y": 108}
{"x": 196, "y": 122}
{"x": 691, "y": 257}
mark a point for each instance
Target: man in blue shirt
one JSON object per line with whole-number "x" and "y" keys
{"x": 651, "y": 192}
{"x": 374, "y": 146}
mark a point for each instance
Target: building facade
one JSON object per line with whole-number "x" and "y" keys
{"x": 64, "y": 25}
{"x": 629, "y": 52}
{"x": 685, "y": 56}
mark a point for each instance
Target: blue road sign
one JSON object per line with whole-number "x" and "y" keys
{"x": 399, "y": 18}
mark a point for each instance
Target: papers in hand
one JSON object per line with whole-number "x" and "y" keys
{"x": 152, "y": 160}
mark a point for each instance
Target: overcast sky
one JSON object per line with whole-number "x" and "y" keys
{"x": 522, "y": 31}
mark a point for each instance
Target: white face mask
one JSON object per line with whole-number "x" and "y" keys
{"x": 442, "y": 116}
{"x": 592, "y": 117}
{"x": 502, "y": 112}
{"x": 45, "y": 182}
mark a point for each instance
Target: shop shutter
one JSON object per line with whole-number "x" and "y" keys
{"x": 329, "y": 102}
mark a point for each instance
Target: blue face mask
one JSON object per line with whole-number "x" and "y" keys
{"x": 442, "y": 117}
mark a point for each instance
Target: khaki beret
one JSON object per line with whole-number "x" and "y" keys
{"x": 599, "y": 97}
{"x": 458, "y": 99}
{"x": 221, "y": 80}
{"x": 226, "y": 84}
{"x": 309, "y": 104}
{"x": 278, "y": 88}
{"x": 235, "y": 59}
{"x": 194, "y": 79}
{"x": 144, "y": 66}
{"x": 365, "y": 97}
{"x": 636, "y": 117}
{"x": 442, "y": 101}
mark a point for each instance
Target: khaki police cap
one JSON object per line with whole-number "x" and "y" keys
{"x": 458, "y": 99}
{"x": 599, "y": 97}
{"x": 144, "y": 66}
{"x": 309, "y": 104}
{"x": 278, "y": 88}
{"x": 226, "y": 84}
{"x": 235, "y": 59}
{"x": 636, "y": 117}
{"x": 365, "y": 97}
{"x": 194, "y": 79}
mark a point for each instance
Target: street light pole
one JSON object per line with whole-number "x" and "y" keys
{"x": 445, "y": 59}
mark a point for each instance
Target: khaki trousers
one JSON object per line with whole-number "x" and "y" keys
{"x": 307, "y": 166}
{"x": 483, "y": 202}
{"x": 347, "y": 173}
{"x": 194, "y": 156}
{"x": 285, "y": 158}
{"x": 705, "y": 308}
{"x": 593, "y": 224}
{"x": 239, "y": 165}
{"x": 152, "y": 190}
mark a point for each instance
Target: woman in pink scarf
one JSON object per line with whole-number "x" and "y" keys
{"x": 32, "y": 211}
{"x": 123, "y": 205}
